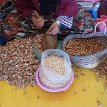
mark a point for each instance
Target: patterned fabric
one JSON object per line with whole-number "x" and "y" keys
{"x": 12, "y": 25}
{"x": 65, "y": 20}
{"x": 83, "y": 22}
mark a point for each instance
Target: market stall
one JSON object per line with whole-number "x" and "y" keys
{"x": 39, "y": 69}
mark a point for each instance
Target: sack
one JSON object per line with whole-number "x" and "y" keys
{"x": 49, "y": 41}
{"x": 59, "y": 53}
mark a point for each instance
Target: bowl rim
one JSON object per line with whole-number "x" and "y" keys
{"x": 53, "y": 90}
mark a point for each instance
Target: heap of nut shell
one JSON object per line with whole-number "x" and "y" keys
{"x": 101, "y": 70}
{"x": 17, "y": 62}
{"x": 82, "y": 47}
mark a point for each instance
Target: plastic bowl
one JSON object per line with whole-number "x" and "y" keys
{"x": 53, "y": 90}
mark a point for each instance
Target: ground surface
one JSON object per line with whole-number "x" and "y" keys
{"x": 86, "y": 91}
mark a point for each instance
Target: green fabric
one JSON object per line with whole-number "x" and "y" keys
{"x": 59, "y": 44}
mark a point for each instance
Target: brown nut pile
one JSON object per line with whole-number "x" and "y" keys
{"x": 56, "y": 63}
{"x": 17, "y": 63}
{"x": 82, "y": 47}
{"x": 101, "y": 70}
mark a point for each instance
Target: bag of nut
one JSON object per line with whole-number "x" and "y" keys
{"x": 55, "y": 59}
{"x": 49, "y": 41}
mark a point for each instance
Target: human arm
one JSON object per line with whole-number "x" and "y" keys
{"x": 37, "y": 20}
{"x": 65, "y": 11}
{"x": 61, "y": 21}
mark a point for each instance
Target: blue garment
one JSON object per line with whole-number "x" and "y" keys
{"x": 3, "y": 40}
{"x": 94, "y": 14}
{"x": 94, "y": 10}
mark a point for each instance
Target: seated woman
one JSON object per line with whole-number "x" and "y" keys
{"x": 36, "y": 10}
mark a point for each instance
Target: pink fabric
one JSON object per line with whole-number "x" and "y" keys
{"x": 102, "y": 18}
{"x": 64, "y": 7}
{"x": 94, "y": 1}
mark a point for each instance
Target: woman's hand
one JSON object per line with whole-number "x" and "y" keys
{"x": 54, "y": 29}
{"x": 38, "y": 23}
{"x": 37, "y": 20}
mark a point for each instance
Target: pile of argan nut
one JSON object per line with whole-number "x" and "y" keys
{"x": 17, "y": 61}
{"x": 82, "y": 47}
{"x": 101, "y": 69}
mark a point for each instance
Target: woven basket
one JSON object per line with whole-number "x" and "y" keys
{"x": 89, "y": 61}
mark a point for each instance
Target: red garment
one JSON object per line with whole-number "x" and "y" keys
{"x": 1, "y": 2}
{"x": 64, "y": 7}
{"x": 103, "y": 8}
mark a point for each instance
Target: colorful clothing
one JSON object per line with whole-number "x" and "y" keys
{"x": 64, "y": 7}
{"x": 65, "y": 20}
{"x": 13, "y": 25}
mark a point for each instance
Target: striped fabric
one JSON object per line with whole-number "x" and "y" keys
{"x": 65, "y": 20}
